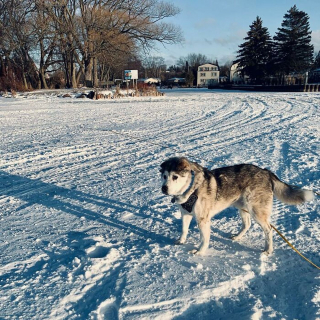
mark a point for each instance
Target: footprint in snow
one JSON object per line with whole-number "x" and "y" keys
{"x": 98, "y": 252}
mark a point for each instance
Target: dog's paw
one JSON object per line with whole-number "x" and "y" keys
{"x": 179, "y": 241}
{"x": 196, "y": 252}
{"x": 235, "y": 238}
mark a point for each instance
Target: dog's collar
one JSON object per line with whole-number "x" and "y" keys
{"x": 191, "y": 184}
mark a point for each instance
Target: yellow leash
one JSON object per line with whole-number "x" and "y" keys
{"x": 299, "y": 253}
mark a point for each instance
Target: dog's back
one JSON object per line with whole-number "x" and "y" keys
{"x": 239, "y": 178}
{"x": 233, "y": 181}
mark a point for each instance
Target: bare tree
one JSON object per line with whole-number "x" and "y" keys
{"x": 153, "y": 66}
{"x": 17, "y": 41}
{"x": 93, "y": 27}
{"x": 77, "y": 35}
{"x": 47, "y": 41}
{"x": 194, "y": 60}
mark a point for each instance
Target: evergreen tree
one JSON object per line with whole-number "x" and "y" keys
{"x": 293, "y": 48}
{"x": 316, "y": 64}
{"x": 254, "y": 55}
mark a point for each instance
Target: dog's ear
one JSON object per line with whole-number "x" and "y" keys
{"x": 195, "y": 167}
{"x": 162, "y": 165}
{"x": 183, "y": 165}
{"x": 178, "y": 164}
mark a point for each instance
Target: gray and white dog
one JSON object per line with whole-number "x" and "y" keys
{"x": 202, "y": 193}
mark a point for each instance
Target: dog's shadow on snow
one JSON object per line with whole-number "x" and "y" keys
{"x": 35, "y": 191}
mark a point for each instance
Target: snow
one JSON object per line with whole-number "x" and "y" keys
{"x": 87, "y": 234}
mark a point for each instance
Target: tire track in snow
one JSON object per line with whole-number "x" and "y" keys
{"x": 114, "y": 193}
{"x": 181, "y": 305}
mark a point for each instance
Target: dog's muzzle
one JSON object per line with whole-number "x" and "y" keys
{"x": 164, "y": 189}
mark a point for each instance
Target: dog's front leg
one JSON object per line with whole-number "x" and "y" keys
{"x": 204, "y": 226}
{"x": 186, "y": 219}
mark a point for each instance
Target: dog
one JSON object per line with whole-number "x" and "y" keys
{"x": 203, "y": 193}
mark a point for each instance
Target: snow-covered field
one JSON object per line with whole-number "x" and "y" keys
{"x": 85, "y": 232}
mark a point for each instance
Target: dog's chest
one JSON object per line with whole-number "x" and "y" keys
{"x": 190, "y": 203}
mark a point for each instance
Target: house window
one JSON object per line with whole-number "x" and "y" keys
{"x": 214, "y": 74}
{"x": 201, "y": 69}
{"x": 206, "y": 69}
{"x": 203, "y": 74}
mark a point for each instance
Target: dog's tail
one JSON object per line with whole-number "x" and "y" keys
{"x": 289, "y": 194}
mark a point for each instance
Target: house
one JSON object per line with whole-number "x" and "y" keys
{"x": 314, "y": 76}
{"x": 208, "y": 74}
{"x": 156, "y": 81}
{"x": 177, "y": 82}
{"x": 235, "y": 74}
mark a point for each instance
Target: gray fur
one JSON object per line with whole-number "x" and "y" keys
{"x": 245, "y": 186}
{"x": 289, "y": 194}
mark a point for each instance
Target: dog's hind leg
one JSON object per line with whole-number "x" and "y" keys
{"x": 246, "y": 223}
{"x": 266, "y": 227}
{"x": 262, "y": 217}
{"x": 186, "y": 219}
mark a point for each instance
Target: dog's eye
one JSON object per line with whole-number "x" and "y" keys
{"x": 174, "y": 177}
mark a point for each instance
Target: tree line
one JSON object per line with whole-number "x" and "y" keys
{"x": 262, "y": 59}
{"x": 86, "y": 40}
{"x": 71, "y": 42}
{"x": 290, "y": 51}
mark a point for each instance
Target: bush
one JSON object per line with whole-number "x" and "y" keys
{"x": 11, "y": 82}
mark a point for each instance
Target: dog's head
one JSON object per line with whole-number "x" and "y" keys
{"x": 176, "y": 175}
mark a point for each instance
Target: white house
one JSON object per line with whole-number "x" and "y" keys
{"x": 150, "y": 80}
{"x": 235, "y": 74}
{"x": 208, "y": 74}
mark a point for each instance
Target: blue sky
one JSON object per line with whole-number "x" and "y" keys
{"x": 216, "y": 28}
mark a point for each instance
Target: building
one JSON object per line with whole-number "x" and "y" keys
{"x": 314, "y": 76}
{"x": 177, "y": 82}
{"x": 236, "y": 77}
{"x": 208, "y": 73}
{"x": 156, "y": 81}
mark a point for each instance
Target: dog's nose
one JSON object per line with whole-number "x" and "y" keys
{"x": 164, "y": 189}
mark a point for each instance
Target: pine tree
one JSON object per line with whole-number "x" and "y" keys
{"x": 293, "y": 47}
{"x": 316, "y": 64}
{"x": 254, "y": 55}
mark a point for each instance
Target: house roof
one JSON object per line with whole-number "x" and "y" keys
{"x": 149, "y": 80}
{"x": 209, "y": 64}
{"x": 177, "y": 80}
